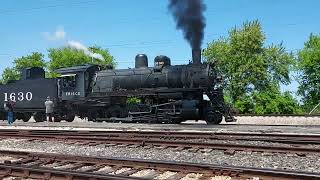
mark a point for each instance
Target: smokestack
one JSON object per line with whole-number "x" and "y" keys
{"x": 196, "y": 56}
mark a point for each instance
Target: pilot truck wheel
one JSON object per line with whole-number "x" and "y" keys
{"x": 214, "y": 118}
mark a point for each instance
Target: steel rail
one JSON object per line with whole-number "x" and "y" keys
{"x": 269, "y": 137}
{"x": 157, "y": 139}
{"x": 198, "y": 134}
{"x": 231, "y": 148}
{"x": 53, "y": 174}
{"x": 280, "y": 115}
{"x": 20, "y": 169}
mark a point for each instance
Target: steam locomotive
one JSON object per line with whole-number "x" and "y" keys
{"x": 164, "y": 93}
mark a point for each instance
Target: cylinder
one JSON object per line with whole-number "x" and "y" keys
{"x": 196, "y": 56}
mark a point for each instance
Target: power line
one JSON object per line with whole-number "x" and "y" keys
{"x": 137, "y": 47}
{"x": 140, "y": 43}
{"x": 45, "y": 7}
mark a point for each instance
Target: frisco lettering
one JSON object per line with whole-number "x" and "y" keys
{"x": 72, "y": 93}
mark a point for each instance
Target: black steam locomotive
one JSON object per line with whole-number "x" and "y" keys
{"x": 159, "y": 94}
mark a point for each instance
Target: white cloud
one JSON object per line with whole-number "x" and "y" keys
{"x": 77, "y": 45}
{"x": 58, "y": 34}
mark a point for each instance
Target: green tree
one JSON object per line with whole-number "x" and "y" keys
{"x": 249, "y": 67}
{"x": 9, "y": 74}
{"x": 67, "y": 57}
{"x": 34, "y": 60}
{"x": 108, "y": 60}
{"x": 309, "y": 72}
{"x": 272, "y": 101}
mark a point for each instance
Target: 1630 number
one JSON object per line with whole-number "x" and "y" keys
{"x": 20, "y": 96}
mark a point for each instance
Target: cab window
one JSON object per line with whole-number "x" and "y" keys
{"x": 68, "y": 81}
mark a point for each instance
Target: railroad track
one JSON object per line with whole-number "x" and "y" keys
{"x": 53, "y": 166}
{"x": 280, "y": 115}
{"x": 193, "y": 141}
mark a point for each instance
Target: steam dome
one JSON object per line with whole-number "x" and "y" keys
{"x": 141, "y": 61}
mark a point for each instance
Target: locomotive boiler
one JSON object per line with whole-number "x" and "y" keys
{"x": 164, "y": 93}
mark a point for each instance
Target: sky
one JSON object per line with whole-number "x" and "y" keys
{"x": 129, "y": 27}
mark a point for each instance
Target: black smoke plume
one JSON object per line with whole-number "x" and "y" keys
{"x": 188, "y": 15}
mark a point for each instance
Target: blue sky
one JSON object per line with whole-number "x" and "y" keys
{"x": 128, "y": 27}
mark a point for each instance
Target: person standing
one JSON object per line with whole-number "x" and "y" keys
{"x": 8, "y": 107}
{"x": 49, "y": 109}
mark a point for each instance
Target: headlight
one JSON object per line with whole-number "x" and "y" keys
{"x": 219, "y": 79}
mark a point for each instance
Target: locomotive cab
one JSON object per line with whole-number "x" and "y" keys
{"x": 75, "y": 82}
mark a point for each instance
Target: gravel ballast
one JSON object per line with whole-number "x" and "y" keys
{"x": 309, "y": 163}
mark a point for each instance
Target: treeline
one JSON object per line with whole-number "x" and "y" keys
{"x": 254, "y": 72}
{"x": 58, "y": 58}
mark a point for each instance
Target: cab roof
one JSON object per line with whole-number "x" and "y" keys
{"x": 81, "y": 68}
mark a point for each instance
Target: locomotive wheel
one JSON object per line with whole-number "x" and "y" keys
{"x": 19, "y": 116}
{"x": 26, "y": 117}
{"x": 214, "y": 118}
{"x": 175, "y": 120}
{"x": 92, "y": 115}
{"x": 70, "y": 118}
{"x": 39, "y": 117}
{"x": 116, "y": 111}
{"x": 25, "y": 120}
{"x": 57, "y": 119}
